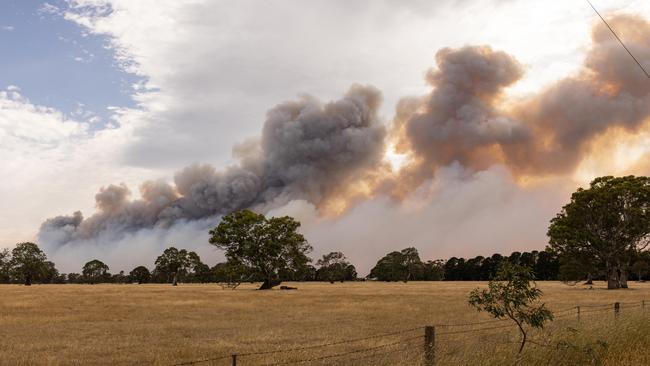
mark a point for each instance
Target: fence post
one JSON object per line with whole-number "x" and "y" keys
{"x": 617, "y": 309}
{"x": 234, "y": 359}
{"x": 578, "y": 307}
{"x": 429, "y": 345}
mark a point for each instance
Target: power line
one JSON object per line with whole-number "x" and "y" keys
{"x": 619, "y": 40}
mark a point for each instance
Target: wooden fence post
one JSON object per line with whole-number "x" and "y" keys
{"x": 234, "y": 359}
{"x": 578, "y": 308}
{"x": 617, "y": 309}
{"x": 429, "y": 345}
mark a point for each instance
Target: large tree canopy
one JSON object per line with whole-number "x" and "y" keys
{"x": 405, "y": 265}
{"x": 608, "y": 222}
{"x": 178, "y": 265}
{"x": 95, "y": 271}
{"x": 27, "y": 262}
{"x": 140, "y": 274}
{"x": 335, "y": 267}
{"x": 269, "y": 246}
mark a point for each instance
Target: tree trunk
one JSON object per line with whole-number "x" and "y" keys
{"x": 269, "y": 283}
{"x": 28, "y": 279}
{"x": 590, "y": 280}
{"x": 612, "y": 278}
{"x": 175, "y": 279}
{"x": 523, "y": 344}
{"x": 623, "y": 278}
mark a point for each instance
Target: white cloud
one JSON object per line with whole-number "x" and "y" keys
{"x": 213, "y": 68}
{"x": 51, "y": 164}
{"x": 8, "y": 28}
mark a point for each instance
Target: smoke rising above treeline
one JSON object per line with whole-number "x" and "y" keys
{"x": 331, "y": 155}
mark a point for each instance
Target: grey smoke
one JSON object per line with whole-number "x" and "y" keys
{"x": 462, "y": 120}
{"x": 308, "y": 151}
{"x": 457, "y": 121}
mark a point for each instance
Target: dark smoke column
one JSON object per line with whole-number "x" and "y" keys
{"x": 308, "y": 150}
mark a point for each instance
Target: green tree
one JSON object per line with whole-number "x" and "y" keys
{"x": 335, "y": 267}
{"x": 640, "y": 267}
{"x": 119, "y": 277}
{"x": 5, "y": 259}
{"x": 511, "y": 296}
{"x": 197, "y": 270}
{"x": 434, "y": 270}
{"x": 268, "y": 246}
{"x": 95, "y": 271}
{"x": 48, "y": 274}
{"x": 399, "y": 266}
{"x": 174, "y": 264}
{"x": 27, "y": 262}
{"x": 609, "y": 222}
{"x": 75, "y": 278}
{"x": 140, "y": 274}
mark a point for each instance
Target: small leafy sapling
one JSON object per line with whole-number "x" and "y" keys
{"x": 511, "y": 296}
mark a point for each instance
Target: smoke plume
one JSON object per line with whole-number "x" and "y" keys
{"x": 331, "y": 155}
{"x": 465, "y": 120}
{"x": 307, "y": 151}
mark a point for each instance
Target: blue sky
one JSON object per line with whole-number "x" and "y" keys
{"x": 56, "y": 63}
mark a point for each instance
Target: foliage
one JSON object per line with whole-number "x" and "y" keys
{"x": 640, "y": 268}
{"x": 5, "y": 273}
{"x": 406, "y": 265}
{"x": 175, "y": 265}
{"x": 268, "y": 246}
{"x": 95, "y": 271}
{"x": 140, "y": 274}
{"x": 608, "y": 223}
{"x": 511, "y": 296}
{"x": 27, "y": 262}
{"x": 335, "y": 267}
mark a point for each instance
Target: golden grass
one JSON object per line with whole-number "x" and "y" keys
{"x": 165, "y": 325}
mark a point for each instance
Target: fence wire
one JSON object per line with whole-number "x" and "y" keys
{"x": 385, "y": 349}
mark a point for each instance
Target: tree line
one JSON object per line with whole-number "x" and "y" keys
{"x": 602, "y": 233}
{"x": 28, "y": 264}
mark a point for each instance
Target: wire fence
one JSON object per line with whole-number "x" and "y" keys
{"x": 417, "y": 345}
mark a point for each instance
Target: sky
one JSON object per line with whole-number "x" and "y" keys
{"x": 95, "y": 93}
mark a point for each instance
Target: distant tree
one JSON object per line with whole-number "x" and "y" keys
{"x": 511, "y": 296}
{"x": 49, "y": 273}
{"x": 335, "y": 267}
{"x": 390, "y": 268}
{"x": 174, "y": 264}
{"x": 640, "y": 267}
{"x": 609, "y": 221}
{"x": 434, "y": 270}
{"x": 198, "y": 271}
{"x": 75, "y": 278}
{"x": 399, "y": 266}
{"x": 119, "y": 277}
{"x": 5, "y": 259}
{"x": 268, "y": 246}
{"x": 95, "y": 271}
{"x": 413, "y": 264}
{"x": 547, "y": 265}
{"x": 27, "y": 262}
{"x": 140, "y": 274}
{"x": 455, "y": 269}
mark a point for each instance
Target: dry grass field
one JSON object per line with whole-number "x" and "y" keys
{"x": 165, "y": 325}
